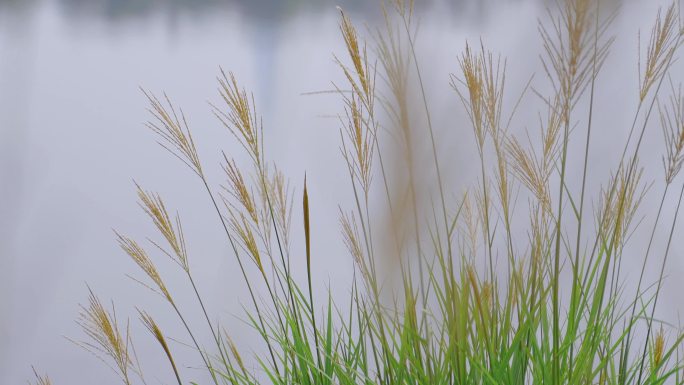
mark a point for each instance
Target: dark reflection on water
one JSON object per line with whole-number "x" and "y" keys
{"x": 263, "y": 9}
{"x": 266, "y": 10}
{"x": 119, "y": 10}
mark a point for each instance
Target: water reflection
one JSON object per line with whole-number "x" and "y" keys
{"x": 263, "y": 9}
{"x": 120, "y": 10}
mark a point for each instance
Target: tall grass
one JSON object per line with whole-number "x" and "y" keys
{"x": 485, "y": 295}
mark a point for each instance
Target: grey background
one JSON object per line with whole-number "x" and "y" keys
{"x": 72, "y": 140}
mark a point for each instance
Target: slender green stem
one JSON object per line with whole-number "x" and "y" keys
{"x": 649, "y": 320}
{"x": 242, "y": 269}
{"x": 194, "y": 341}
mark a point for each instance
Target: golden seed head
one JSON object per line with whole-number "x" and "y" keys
{"x": 664, "y": 40}
{"x": 235, "y": 352}
{"x": 276, "y": 196}
{"x": 238, "y": 189}
{"x": 672, "y": 122}
{"x": 246, "y": 235}
{"x": 350, "y": 233}
{"x": 361, "y": 137}
{"x": 619, "y": 203}
{"x": 102, "y": 328}
{"x": 154, "y": 207}
{"x": 472, "y": 71}
{"x": 571, "y": 58}
{"x": 486, "y": 292}
{"x": 152, "y": 326}
{"x": 172, "y": 128}
{"x": 140, "y": 257}
{"x": 241, "y": 118}
{"x": 470, "y": 225}
{"x": 359, "y": 60}
{"x": 481, "y": 90}
{"x": 658, "y": 349}
{"x": 530, "y": 172}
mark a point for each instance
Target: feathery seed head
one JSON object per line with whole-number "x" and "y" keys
{"x": 494, "y": 80}
{"x": 483, "y": 78}
{"x": 360, "y": 126}
{"x": 235, "y": 352}
{"x": 472, "y": 71}
{"x": 154, "y": 207}
{"x": 276, "y": 189}
{"x": 657, "y": 350}
{"x": 350, "y": 233}
{"x": 571, "y": 58}
{"x": 152, "y": 326}
{"x": 530, "y": 172}
{"x": 362, "y": 83}
{"x": 246, "y": 235}
{"x": 404, "y": 8}
{"x": 487, "y": 295}
{"x": 361, "y": 138}
{"x": 550, "y": 132}
{"x": 577, "y": 23}
{"x": 172, "y": 128}
{"x": 672, "y": 123}
{"x": 241, "y": 118}
{"x": 140, "y": 257}
{"x": 238, "y": 189}
{"x": 470, "y": 226}
{"x": 502, "y": 179}
{"x": 102, "y": 328}
{"x": 539, "y": 237}
{"x": 664, "y": 41}
{"x": 619, "y": 203}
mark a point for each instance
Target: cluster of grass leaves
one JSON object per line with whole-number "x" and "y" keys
{"x": 475, "y": 304}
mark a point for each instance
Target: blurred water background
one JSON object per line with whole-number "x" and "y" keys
{"x": 72, "y": 140}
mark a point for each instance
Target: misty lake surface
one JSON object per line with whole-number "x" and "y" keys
{"x": 72, "y": 141}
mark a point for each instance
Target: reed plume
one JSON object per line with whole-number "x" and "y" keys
{"x": 241, "y": 119}
{"x": 154, "y": 329}
{"x": 664, "y": 40}
{"x": 108, "y": 341}
{"x": 142, "y": 259}
{"x": 172, "y": 128}
{"x": 154, "y": 207}
{"x": 672, "y": 123}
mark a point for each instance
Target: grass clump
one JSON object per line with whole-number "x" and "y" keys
{"x": 484, "y": 295}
